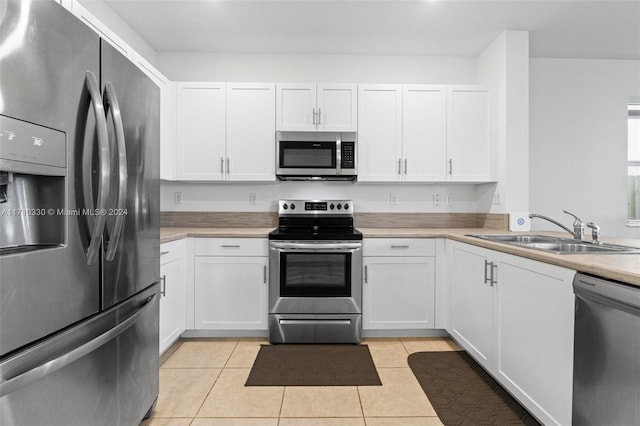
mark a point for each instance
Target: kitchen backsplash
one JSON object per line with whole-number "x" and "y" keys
{"x": 362, "y": 220}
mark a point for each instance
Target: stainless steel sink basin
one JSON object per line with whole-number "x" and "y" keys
{"x": 558, "y": 245}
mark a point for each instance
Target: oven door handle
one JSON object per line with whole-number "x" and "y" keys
{"x": 342, "y": 247}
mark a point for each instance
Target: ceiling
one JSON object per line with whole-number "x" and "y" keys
{"x": 558, "y": 29}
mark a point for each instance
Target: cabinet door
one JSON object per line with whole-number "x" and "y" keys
{"x": 296, "y": 107}
{"x": 172, "y": 302}
{"x": 251, "y": 120}
{"x": 424, "y": 142}
{"x": 231, "y": 293}
{"x": 472, "y": 300}
{"x": 469, "y": 134}
{"x": 398, "y": 293}
{"x": 379, "y": 133}
{"x": 201, "y": 132}
{"x": 535, "y": 316}
{"x": 337, "y": 107}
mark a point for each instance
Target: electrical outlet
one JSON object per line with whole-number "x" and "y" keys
{"x": 252, "y": 197}
{"x": 436, "y": 200}
{"x": 177, "y": 197}
{"x": 448, "y": 199}
{"x": 497, "y": 199}
{"x": 393, "y": 199}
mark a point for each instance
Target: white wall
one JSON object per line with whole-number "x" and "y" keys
{"x": 578, "y": 140}
{"x": 367, "y": 197}
{"x": 317, "y": 68}
{"x": 504, "y": 65}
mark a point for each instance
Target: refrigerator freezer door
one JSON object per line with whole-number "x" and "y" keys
{"x": 84, "y": 375}
{"x": 136, "y": 263}
{"x": 43, "y": 81}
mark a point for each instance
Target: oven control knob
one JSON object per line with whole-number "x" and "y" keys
{"x": 285, "y": 206}
{"x": 332, "y": 206}
{"x": 339, "y": 206}
{"x": 346, "y": 206}
{"x": 293, "y": 206}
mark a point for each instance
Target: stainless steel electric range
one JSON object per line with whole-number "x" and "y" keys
{"x": 315, "y": 290}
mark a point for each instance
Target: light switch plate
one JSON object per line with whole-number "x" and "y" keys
{"x": 519, "y": 222}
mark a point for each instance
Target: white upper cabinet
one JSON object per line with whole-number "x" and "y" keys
{"x": 424, "y": 133}
{"x": 201, "y": 131}
{"x": 251, "y": 131}
{"x": 337, "y": 107}
{"x": 470, "y": 134}
{"x": 379, "y": 132}
{"x": 311, "y": 107}
{"x": 225, "y": 131}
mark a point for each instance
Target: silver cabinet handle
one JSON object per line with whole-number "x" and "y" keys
{"x": 118, "y": 225}
{"x": 264, "y": 274}
{"x": 494, "y": 274}
{"x": 450, "y": 166}
{"x": 487, "y": 279}
{"x": 37, "y": 373}
{"x": 104, "y": 171}
{"x": 405, "y": 166}
{"x": 366, "y": 274}
{"x": 319, "y": 116}
{"x": 230, "y": 246}
{"x": 164, "y": 252}
{"x": 399, "y": 247}
{"x": 221, "y": 165}
{"x": 228, "y": 165}
{"x": 399, "y": 166}
{"x": 163, "y": 287}
{"x": 314, "y": 116}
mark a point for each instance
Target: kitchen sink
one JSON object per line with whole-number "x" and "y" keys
{"x": 558, "y": 245}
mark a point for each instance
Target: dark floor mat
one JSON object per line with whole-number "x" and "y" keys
{"x": 313, "y": 365}
{"x": 462, "y": 393}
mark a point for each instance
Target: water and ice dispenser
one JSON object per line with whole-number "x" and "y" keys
{"x": 32, "y": 186}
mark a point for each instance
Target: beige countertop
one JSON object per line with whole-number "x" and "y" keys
{"x": 621, "y": 267}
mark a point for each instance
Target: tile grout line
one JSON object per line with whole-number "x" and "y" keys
{"x": 214, "y": 382}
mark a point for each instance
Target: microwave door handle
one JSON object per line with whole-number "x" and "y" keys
{"x": 104, "y": 168}
{"x": 118, "y": 227}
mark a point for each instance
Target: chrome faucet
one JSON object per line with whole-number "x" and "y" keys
{"x": 578, "y": 225}
{"x": 595, "y": 232}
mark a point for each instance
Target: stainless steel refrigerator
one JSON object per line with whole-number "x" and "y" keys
{"x": 79, "y": 224}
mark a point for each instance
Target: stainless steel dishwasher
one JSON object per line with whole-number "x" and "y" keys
{"x": 606, "y": 369}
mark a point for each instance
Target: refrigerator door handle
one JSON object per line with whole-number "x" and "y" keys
{"x": 104, "y": 170}
{"x": 118, "y": 226}
{"x": 37, "y": 373}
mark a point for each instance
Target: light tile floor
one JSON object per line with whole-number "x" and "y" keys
{"x": 202, "y": 384}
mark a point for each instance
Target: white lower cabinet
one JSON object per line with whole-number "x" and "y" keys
{"x": 172, "y": 293}
{"x": 231, "y": 284}
{"x": 515, "y": 317}
{"x": 399, "y": 283}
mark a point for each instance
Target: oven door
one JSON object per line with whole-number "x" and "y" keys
{"x": 315, "y": 277}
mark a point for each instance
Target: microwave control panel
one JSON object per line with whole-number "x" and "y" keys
{"x": 348, "y": 155}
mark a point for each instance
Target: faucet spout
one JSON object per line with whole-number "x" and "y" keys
{"x": 555, "y": 222}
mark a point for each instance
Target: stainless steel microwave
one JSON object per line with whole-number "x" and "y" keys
{"x": 316, "y": 155}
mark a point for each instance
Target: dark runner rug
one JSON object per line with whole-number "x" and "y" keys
{"x": 462, "y": 393}
{"x": 313, "y": 365}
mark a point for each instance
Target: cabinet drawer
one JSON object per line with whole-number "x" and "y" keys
{"x": 171, "y": 251}
{"x": 231, "y": 247}
{"x": 399, "y": 247}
